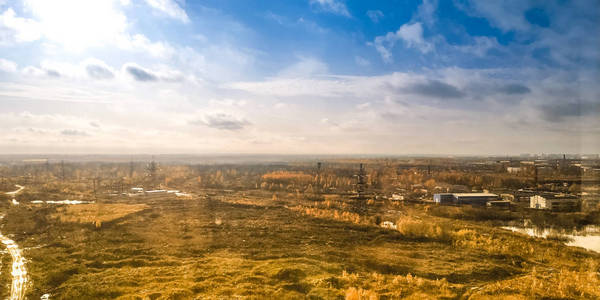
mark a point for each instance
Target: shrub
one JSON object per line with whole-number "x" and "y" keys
{"x": 360, "y": 294}
{"x": 417, "y": 229}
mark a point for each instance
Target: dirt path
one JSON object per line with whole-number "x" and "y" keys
{"x": 13, "y": 193}
{"x": 19, "y": 273}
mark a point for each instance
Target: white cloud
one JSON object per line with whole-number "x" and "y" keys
{"x": 7, "y": 66}
{"x": 361, "y": 61}
{"x": 77, "y": 25}
{"x": 480, "y": 46}
{"x": 41, "y": 72}
{"x": 88, "y": 68}
{"x": 375, "y": 15}
{"x": 398, "y": 112}
{"x": 426, "y": 12}
{"x": 15, "y": 29}
{"x": 138, "y": 73}
{"x": 333, "y": 6}
{"x": 170, "y": 8}
{"x": 215, "y": 62}
{"x": 410, "y": 34}
{"x": 73, "y": 132}
{"x": 305, "y": 67}
{"x": 222, "y": 121}
{"x": 98, "y": 69}
{"x": 506, "y": 15}
{"x": 140, "y": 43}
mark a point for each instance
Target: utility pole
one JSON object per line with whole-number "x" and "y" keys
{"x": 361, "y": 186}
{"x": 97, "y": 186}
{"x": 536, "y": 175}
{"x": 152, "y": 168}
{"x": 62, "y": 170}
{"x": 429, "y": 168}
{"x": 317, "y": 186}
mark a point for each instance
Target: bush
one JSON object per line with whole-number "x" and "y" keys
{"x": 472, "y": 213}
{"x": 360, "y": 294}
{"x": 417, "y": 229}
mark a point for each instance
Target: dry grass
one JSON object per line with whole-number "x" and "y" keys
{"x": 288, "y": 177}
{"x": 95, "y": 213}
{"x": 360, "y": 294}
{"x": 375, "y": 286}
{"x": 419, "y": 229}
{"x": 556, "y": 284}
{"x": 176, "y": 250}
{"x": 332, "y": 214}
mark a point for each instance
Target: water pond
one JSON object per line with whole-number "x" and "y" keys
{"x": 588, "y": 237}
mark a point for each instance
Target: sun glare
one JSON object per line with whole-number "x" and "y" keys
{"x": 78, "y": 25}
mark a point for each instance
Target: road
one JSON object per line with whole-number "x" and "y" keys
{"x": 19, "y": 272}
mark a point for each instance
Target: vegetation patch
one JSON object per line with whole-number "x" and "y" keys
{"x": 96, "y": 213}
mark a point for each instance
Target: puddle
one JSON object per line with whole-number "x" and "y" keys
{"x": 588, "y": 237}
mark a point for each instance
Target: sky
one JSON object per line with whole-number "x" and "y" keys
{"x": 299, "y": 77}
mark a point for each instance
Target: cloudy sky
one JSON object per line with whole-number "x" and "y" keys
{"x": 302, "y": 76}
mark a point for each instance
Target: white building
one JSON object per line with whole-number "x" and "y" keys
{"x": 513, "y": 170}
{"x": 137, "y": 190}
{"x": 397, "y": 197}
{"x": 554, "y": 202}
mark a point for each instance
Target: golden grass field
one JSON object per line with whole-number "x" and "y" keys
{"x": 95, "y": 213}
{"x": 279, "y": 248}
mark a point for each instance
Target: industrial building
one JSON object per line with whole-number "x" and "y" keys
{"x": 474, "y": 198}
{"x": 443, "y": 198}
{"x": 554, "y": 202}
{"x": 465, "y": 198}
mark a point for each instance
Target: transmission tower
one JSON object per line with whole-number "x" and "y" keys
{"x": 131, "y": 169}
{"x": 360, "y": 197}
{"x": 361, "y": 183}
{"x": 62, "y": 170}
{"x": 152, "y": 168}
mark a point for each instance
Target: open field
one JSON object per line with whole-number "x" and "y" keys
{"x": 95, "y": 213}
{"x": 213, "y": 248}
{"x": 285, "y": 231}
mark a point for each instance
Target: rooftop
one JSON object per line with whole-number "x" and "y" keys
{"x": 475, "y": 195}
{"x": 558, "y": 196}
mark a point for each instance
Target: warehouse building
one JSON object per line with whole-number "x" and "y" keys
{"x": 443, "y": 198}
{"x": 474, "y": 198}
{"x": 465, "y": 198}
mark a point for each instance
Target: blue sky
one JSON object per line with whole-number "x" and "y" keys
{"x": 305, "y": 76}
